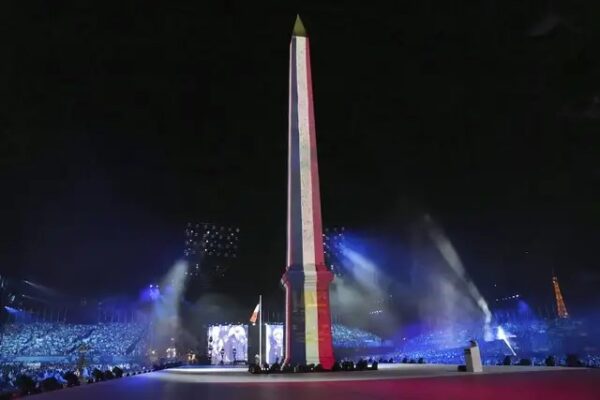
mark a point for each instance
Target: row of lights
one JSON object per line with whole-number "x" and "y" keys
{"x": 213, "y": 240}
{"x": 516, "y": 296}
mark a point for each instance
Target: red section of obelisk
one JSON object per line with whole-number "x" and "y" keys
{"x": 314, "y": 171}
{"x": 324, "y": 276}
{"x": 325, "y": 338}
{"x": 288, "y": 313}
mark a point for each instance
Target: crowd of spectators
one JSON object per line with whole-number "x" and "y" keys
{"x": 346, "y": 337}
{"x": 456, "y": 357}
{"x": 47, "y": 339}
{"x": 12, "y": 374}
{"x": 114, "y": 338}
{"x": 141, "y": 346}
{"x": 524, "y": 341}
{"x": 54, "y": 339}
{"x": 533, "y": 341}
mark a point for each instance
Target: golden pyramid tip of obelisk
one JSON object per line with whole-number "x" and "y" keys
{"x": 299, "y": 29}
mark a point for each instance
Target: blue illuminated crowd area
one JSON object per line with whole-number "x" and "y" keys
{"x": 43, "y": 350}
{"x": 550, "y": 342}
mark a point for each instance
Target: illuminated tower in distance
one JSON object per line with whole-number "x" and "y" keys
{"x": 307, "y": 278}
{"x": 561, "y": 309}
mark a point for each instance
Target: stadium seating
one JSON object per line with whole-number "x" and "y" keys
{"x": 55, "y": 339}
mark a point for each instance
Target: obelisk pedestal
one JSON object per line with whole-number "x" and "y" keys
{"x": 308, "y": 321}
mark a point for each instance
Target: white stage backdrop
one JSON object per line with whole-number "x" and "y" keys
{"x": 274, "y": 343}
{"x": 228, "y": 343}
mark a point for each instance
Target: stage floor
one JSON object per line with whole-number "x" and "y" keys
{"x": 397, "y": 381}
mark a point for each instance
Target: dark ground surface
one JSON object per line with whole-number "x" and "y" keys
{"x": 401, "y": 382}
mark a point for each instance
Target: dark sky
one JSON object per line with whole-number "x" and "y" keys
{"x": 120, "y": 123}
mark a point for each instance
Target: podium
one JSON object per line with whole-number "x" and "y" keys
{"x": 473, "y": 357}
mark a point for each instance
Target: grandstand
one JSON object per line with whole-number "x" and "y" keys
{"x": 40, "y": 340}
{"x": 518, "y": 338}
{"x": 346, "y": 337}
{"x": 530, "y": 338}
{"x": 47, "y": 349}
{"x": 22, "y": 341}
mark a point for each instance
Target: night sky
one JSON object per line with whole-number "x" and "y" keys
{"x": 120, "y": 123}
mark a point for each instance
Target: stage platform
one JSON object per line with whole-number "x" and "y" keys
{"x": 395, "y": 381}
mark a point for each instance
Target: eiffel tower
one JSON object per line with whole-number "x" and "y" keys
{"x": 561, "y": 309}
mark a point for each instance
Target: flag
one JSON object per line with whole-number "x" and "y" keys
{"x": 255, "y": 313}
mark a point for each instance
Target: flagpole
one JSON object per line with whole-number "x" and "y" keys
{"x": 260, "y": 330}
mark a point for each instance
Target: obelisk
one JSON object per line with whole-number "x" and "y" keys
{"x": 307, "y": 279}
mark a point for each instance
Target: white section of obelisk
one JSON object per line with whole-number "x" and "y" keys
{"x": 306, "y": 194}
{"x": 311, "y": 315}
{"x": 289, "y": 197}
